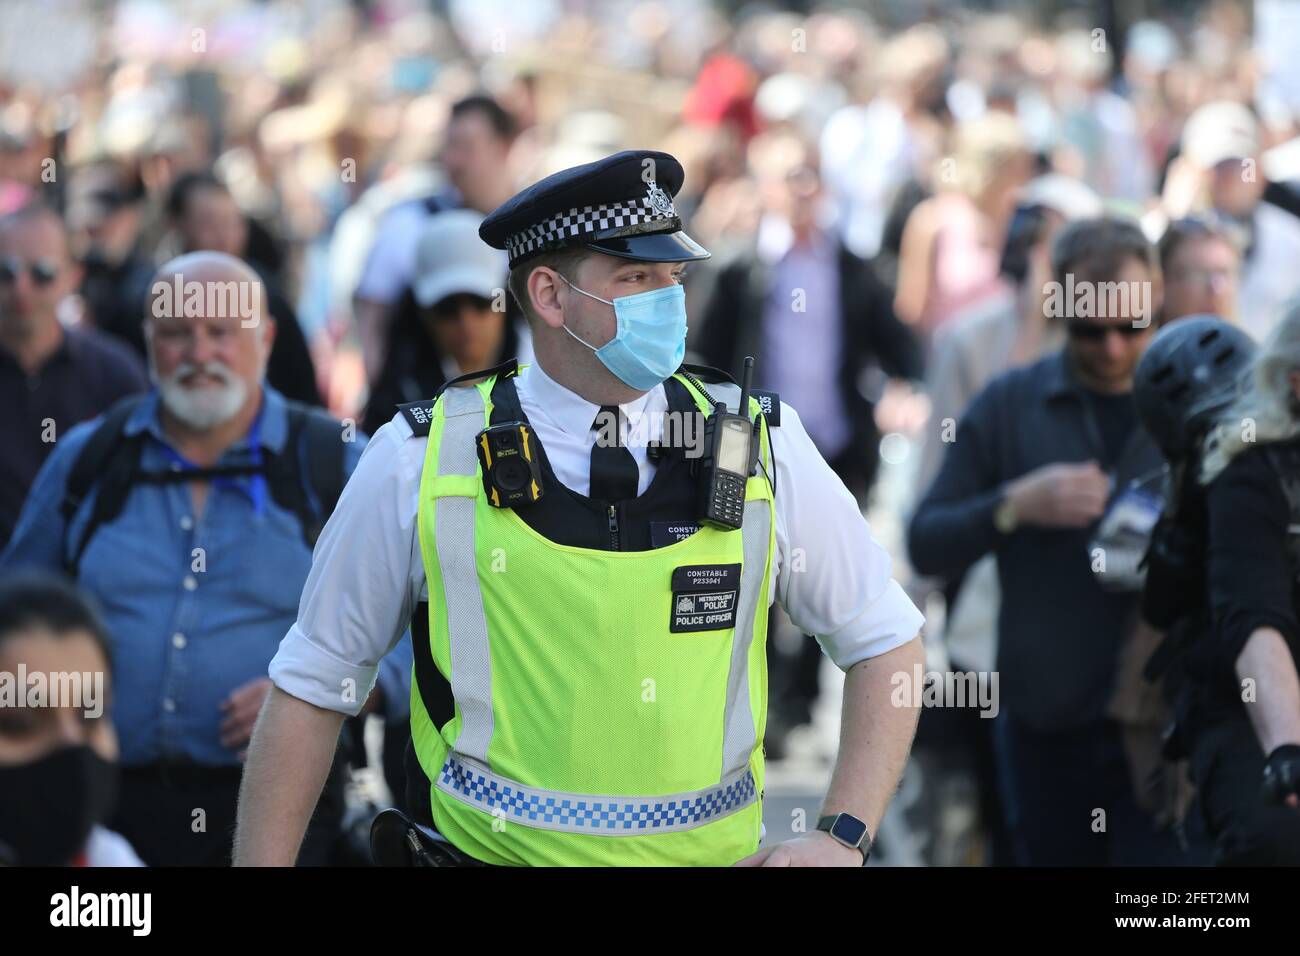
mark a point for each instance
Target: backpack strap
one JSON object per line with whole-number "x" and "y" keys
{"x": 95, "y": 454}
{"x": 311, "y": 464}
{"x": 109, "y": 460}
{"x": 324, "y": 459}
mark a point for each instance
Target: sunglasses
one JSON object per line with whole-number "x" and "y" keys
{"x": 42, "y": 271}
{"x": 1204, "y": 277}
{"x": 1096, "y": 331}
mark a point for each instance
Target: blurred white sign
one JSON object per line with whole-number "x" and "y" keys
{"x": 1277, "y": 44}
{"x": 46, "y": 43}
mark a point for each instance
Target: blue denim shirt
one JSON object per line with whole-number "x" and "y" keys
{"x": 195, "y": 607}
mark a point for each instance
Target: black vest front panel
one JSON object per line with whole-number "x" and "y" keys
{"x": 562, "y": 515}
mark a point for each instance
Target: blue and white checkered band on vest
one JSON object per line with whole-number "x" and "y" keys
{"x": 656, "y": 206}
{"x": 472, "y": 783}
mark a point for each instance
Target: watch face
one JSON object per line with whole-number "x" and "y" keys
{"x": 848, "y": 829}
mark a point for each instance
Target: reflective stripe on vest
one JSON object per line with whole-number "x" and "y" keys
{"x": 738, "y": 737}
{"x": 472, "y": 783}
{"x": 471, "y": 665}
{"x": 466, "y": 774}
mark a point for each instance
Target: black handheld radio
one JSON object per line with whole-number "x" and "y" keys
{"x": 730, "y": 453}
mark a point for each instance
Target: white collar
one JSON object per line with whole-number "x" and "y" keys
{"x": 569, "y": 411}
{"x": 775, "y": 239}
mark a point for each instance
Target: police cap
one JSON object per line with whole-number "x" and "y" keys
{"x": 621, "y": 205}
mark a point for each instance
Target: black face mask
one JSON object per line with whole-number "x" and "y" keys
{"x": 48, "y": 806}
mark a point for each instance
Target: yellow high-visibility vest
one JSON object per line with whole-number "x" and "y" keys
{"x": 610, "y": 705}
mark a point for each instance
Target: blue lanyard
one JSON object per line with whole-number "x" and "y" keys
{"x": 255, "y": 486}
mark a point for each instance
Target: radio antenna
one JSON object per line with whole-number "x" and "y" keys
{"x": 746, "y": 377}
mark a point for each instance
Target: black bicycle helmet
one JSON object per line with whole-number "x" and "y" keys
{"x": 1188, "y": 372}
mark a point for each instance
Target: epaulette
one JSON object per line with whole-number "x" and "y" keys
{"x": 419, "y": 415}
{"x": 770, "y": 403}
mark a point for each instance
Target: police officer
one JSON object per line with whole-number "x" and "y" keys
{"x": 1222, "y": 575}
{"x": 588, "y": 598}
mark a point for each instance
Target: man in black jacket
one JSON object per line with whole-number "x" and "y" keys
{"x": 1042, "y": 454}
{"x": 819, "y": 323}
{"x": 816, "y": 316}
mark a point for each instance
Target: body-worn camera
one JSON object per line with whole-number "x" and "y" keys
{"x": 512, "y": 473}
{"x": 730, "y": 453}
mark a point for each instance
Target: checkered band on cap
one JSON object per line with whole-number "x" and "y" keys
{"x": 586, "y": 220}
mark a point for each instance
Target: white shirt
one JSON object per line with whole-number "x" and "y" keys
{"x": 832, "y": 577}
{"x": 1269, "y": 279}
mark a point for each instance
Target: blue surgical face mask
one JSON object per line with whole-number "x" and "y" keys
{"x": 651, "y": 339}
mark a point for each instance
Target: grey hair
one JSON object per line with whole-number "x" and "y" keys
{"x": 1266, "y": 403}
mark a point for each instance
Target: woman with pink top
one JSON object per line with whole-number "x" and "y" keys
{"x": 952, "y": 241}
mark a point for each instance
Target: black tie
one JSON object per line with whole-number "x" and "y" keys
{"x": 613, "y": 469}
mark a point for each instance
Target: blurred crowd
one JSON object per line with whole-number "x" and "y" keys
{"x": 900, "y": 172}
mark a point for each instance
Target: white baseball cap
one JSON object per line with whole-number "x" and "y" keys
{"x": 1070, "y": 197}
{"x": 450, "y": 258}
{"x": 1218, "y": 131}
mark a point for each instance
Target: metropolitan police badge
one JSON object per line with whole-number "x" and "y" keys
{"x": 659, "y": 199}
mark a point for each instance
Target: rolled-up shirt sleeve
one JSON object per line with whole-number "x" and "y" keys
{"x": 363, "y": 583}
{"x": 833, "y": 577}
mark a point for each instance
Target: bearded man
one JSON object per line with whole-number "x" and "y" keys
{"x": 190, "y": 514}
